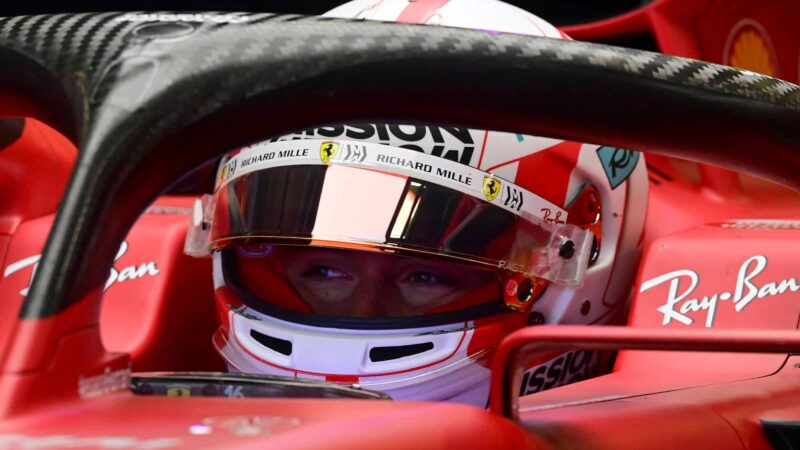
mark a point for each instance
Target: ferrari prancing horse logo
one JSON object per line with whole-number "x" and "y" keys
{"x": 491, "y": 187}
{"x": 327, "y": 150}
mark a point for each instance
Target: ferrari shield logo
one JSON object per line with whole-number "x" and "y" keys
{"x": 227, "y": 170}
{"x": 178, "y": 391}
{"x": 491, "y": 187}
{"x": 327, "y": 150}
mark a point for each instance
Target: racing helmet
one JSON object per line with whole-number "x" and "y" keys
{"x": 397, "y": 256}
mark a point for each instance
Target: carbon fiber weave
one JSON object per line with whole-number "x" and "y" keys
{"x": 71, "y": 43}
{"x": 137, "y": 80}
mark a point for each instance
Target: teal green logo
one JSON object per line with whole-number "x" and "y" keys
{"x": 618, "y": 163}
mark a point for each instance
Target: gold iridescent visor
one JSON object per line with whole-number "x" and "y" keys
{"x": 357, "y": 195}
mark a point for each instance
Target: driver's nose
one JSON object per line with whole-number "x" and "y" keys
{"x": 371, "y": 299}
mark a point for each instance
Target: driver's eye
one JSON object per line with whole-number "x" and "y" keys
{"x": 427, "y": 279}
{"x": 322, "y": 272}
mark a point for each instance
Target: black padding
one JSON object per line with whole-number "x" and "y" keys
{"x": 10, "y": 131}
{"x": 782, "y": 434}
{"x": 378, "y": 354}
{"x": 281, "y": 346}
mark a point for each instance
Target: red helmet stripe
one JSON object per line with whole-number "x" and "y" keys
{"x": 483, "y": 148}
{"x": 547, "y": 172}
{"x": 345, "y": 379}
{"x": 420, "y": 11}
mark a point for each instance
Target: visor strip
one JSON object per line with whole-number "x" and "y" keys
{"x": 466, "y": 179}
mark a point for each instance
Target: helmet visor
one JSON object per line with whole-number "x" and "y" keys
{"x": 357, "y": 284}
{"x": 397, "y": 210}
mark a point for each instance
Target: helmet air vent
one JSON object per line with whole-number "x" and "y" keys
{"x": 378, "y": 354}
{"x": 281, "y": 346}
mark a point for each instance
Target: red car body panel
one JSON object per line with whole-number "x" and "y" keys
{"x": 706, "y": 29}
{"x": 255, "y": 423}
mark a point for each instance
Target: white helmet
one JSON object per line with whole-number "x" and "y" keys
{"x": 397, "y": 257}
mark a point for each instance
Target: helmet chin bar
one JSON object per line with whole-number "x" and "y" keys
{"x": 446, "y": 371}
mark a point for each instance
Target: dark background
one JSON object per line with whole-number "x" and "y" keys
{"x": 557, "y": 12}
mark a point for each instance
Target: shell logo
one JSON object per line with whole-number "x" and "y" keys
{"x": 748, "y": 47}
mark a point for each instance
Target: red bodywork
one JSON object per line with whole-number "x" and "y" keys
{"x": 158, "y": 312}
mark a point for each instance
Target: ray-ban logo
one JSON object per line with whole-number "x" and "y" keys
{"x": 681, "y": 307}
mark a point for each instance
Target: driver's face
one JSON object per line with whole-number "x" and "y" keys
{"x": 365, "y": 284}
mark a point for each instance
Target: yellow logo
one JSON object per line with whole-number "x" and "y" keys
{"x": 751, "y": 50}
{"x": 227, "y": 170}
{"x": 491, "y": 187}
{"x": 327, "y": 150}
{"x": 178, "y": 391}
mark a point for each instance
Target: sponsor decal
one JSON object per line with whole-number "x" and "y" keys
{"x": 250, "y": 425}
{"x": 748, "y": 47}
{"x": 512, "y": 198}
{"x": 453, "y": 330}
{"x": 399, "y": 161}
{"x": 168, "y": 211}
{"x": 67, "y": 441}
{"x": 105, "y": 383}
{"x": 327, "y": 150}
{"x": 355, "y": 153}
{"x": 455, "y": 144}
{"x": 402, "y": 162}
{"x": 233, "y": 392}
{"x": 454, "y": 175}
{"x": 570, "y": 367}
{"x": 679, "y": 306}
{"x": 228, "y": 170}
{"x": 275, "y": 155}
{"x": 242, "y": 311}
{"x": 760, "y": 224}
{"x": 179, "y": 391}
{"x": 199, "y": 18}
{"x": 117, "y": 275}
{"x": 557, "y": 217}
{"x": 618, "y": 163}
{"x": 491, "y": 187}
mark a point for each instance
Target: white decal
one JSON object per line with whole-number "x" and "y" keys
{"x": 117, "y": 275}
{"x": 762, "y": 224}
{"x": 568, "y": 368}
{"x": 455, "y": 144}
{"x": 169, "y": 210}
{"x": 248, "y": 425}
{"x": 19, "y": 441}
{"x": 105, "y": 383}
{"x": 682, "y": 283}
{"x": 162, "y": 17}
{"x": 233, "y": 392}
